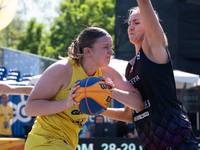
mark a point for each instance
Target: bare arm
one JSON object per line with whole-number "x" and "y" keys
{"x": 154, "y": 40}
{"x": 124, "y": 91}
{"x": 55, "y": 78}
{"x": 122, "y": 114}
{"x": 14, "y": 90}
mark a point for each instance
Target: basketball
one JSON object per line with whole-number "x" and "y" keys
{"x": 94, "y": 96}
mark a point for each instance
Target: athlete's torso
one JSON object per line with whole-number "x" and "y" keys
{"x": 162, "y": 123}
{"x": 67, "y": 124}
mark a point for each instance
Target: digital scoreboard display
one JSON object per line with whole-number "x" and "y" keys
{"x": 112, "y": 144}
{"x": 109, "y": 144}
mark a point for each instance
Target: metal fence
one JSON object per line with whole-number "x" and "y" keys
{"x": 25, "y": 63}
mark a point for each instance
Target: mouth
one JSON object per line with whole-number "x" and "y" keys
{"x": 108, "y": 57}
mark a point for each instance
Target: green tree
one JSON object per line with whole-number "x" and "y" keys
{"x": 16, "y": 27}
{"x": 30, "y": 41}
{"x": 75, "y": 15}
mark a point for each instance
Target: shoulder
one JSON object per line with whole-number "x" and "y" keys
{"x": 156, "y": 52}
{"x": 61, "y": 64}
{"x": 58, "y": 68}
{"x": 58, "y": 73}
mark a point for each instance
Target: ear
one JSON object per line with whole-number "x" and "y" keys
{"x": 87, "y": 51}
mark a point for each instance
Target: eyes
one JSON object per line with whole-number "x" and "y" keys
{"x": 107, "y": 47}
{"x": 133, "y": 22}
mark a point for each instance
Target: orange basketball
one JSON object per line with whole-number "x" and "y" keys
{"x": 95, "y": 96}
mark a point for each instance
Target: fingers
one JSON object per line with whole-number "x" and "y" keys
{"x": 75, "y": 94}
{"x": 74, "y": 87}
{"x": 72, "y": 93}
{"x": 108, "y": 81}
{"x": 75, "y": 103}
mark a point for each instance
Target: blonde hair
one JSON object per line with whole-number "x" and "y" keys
{"x": 135, "y": 10}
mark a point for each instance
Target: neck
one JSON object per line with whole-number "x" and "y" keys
{"x": 89, "y": 66}
{"x": 137, "y": 47}
{"x": 90, "y": 71}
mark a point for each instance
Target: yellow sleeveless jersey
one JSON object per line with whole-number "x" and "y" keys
{"x": 64, "y": 125}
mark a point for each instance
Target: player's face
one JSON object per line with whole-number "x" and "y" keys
{"x": 136, "y": 28}
{"x": 102, "y": 51}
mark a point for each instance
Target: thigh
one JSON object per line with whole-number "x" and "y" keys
{"x": 35, "y": 142}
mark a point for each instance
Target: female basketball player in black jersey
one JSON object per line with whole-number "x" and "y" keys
{"x": 161, "y": 125}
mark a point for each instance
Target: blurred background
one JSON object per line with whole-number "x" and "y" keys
{"x": 33, "y": 33}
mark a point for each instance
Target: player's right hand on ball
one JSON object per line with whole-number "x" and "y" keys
{"x": 70, "y": 99}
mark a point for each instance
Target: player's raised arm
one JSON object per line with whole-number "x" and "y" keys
{"x": 154, "y": 43}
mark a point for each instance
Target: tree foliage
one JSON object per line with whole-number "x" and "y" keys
{"x": 30, "y": 41}
{"x": 14, "y": 30}
{"x": 75, "y": 15}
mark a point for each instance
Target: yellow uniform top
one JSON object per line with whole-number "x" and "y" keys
{"x": 67, "y": 124}
{"x": 5, "y": 115}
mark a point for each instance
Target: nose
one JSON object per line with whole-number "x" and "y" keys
{"x": 131, "y": 27}
{"x": 111, "y": 51}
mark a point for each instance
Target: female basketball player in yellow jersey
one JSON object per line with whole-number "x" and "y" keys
{"x": 59, "y": 121}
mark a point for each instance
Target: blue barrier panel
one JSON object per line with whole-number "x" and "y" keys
{"x": 19, "y": 120}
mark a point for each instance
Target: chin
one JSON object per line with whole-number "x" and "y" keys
{"x": 106, "y": 64}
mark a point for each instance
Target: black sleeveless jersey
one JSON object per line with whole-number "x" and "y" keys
{"x": 162, "y": 123}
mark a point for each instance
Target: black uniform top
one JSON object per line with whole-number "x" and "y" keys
{"x": 162, "y": 123}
